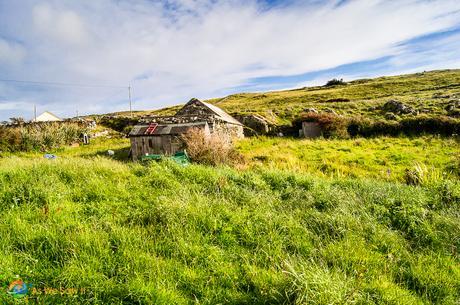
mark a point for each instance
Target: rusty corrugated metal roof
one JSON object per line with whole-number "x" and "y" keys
{"x": 165, "y": 129}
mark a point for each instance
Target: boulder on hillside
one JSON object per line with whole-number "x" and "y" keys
{"x": 327, "y": 110}
{"x": 453, "y": 108}
{"x": 391, "y": 116}
{"x": 257, "y": 124}
{"x": 441, "y": 95}
{"x": 397, "y": 107}
{"x": 310, "y": 110}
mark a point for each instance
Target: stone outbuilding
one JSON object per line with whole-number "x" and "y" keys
{"x": 162, "y": 134}
{"x": 216, "y": 118}
{"x": 310, "y": 130}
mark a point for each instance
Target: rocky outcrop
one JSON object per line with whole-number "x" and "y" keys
{"x": 256, "y": 124}
{"x": 391, "y": 116}
{"x": 327, "y": 110}
{"x": 453, "y": 108}
{"x": 310, "y": 110}
{"x": 397, "y": 107}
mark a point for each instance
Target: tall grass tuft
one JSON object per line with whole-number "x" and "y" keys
{"x": 212, "y": 149}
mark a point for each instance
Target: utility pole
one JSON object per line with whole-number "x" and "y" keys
{"x": 130, "y": 104}
{"x": 35, "y": 113}
{"x": 77, "y": 113}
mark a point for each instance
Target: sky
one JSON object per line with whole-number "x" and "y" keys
{"x": 66, "y": 56}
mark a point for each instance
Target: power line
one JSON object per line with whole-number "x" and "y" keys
{"x": 73, "y": 85}
{"x": 61, "y": 84}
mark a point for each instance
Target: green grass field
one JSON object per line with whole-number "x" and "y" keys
{"x": 383, "y": 158}
{"x": 88, "y": 228}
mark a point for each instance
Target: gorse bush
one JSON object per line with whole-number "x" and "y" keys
{"x": 166, "y": 234}
{"x": 41, "y": 136}
{"x": 212, "y": 149}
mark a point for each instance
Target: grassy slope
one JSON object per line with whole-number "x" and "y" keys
{"x": 418, "y": 90}
{"x": 164, "y": 234}
{"x": 382, "y": 158}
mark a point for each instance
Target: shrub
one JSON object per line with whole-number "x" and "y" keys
{"x": 41, "y": 136}
{"x": 10, "y": 139}
{"x": 119, "y": 124}
{"x": 366, "y": 128}
{"x": 331, "y": 125}
{"x": 410, "y": 126}
{"x": 432, "y": 125}
{"x": 216, "y": 148}
{"x": 335, "y": 82}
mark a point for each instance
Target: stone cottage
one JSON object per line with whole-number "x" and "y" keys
{"x": 162, "y": 134}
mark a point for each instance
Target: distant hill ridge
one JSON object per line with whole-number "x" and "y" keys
{"x": 433, "y": 93}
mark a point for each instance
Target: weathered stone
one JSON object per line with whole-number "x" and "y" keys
{"x": 327, "y": 110}
{"x": 453, "y": 108}
{"x": 313, "y": 110}
{"x": 397, "y": 107}
{"x": 256, "y": 124}
{"x": 391, "y": 116}
{"x": 440, "y": 95}
{"x": 452, "y": 105}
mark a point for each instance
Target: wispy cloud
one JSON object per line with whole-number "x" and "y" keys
{"x": 175, "y": 49}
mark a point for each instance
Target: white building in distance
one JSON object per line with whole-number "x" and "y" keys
{"x": 47, "y": 117}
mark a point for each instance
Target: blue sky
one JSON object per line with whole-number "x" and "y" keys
{"x": 170, "y": 51}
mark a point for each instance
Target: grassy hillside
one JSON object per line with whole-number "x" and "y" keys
{"x": 106, "y": 232}
{"x": 428, "y": 93}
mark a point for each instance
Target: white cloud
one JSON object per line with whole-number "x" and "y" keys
{"x": 183, "y": 48}
{"x": 11, "y": 53}
{"x": 15, "y": 105}
{"x": 65, "y": 26}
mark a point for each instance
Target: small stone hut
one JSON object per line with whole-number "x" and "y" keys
{"x": 216, "y": 117}
{"x": 310, "y": 130}
{"x": 162, "y": 134}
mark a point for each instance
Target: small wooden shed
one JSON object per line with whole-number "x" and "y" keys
{"x": 157, "y": 138}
